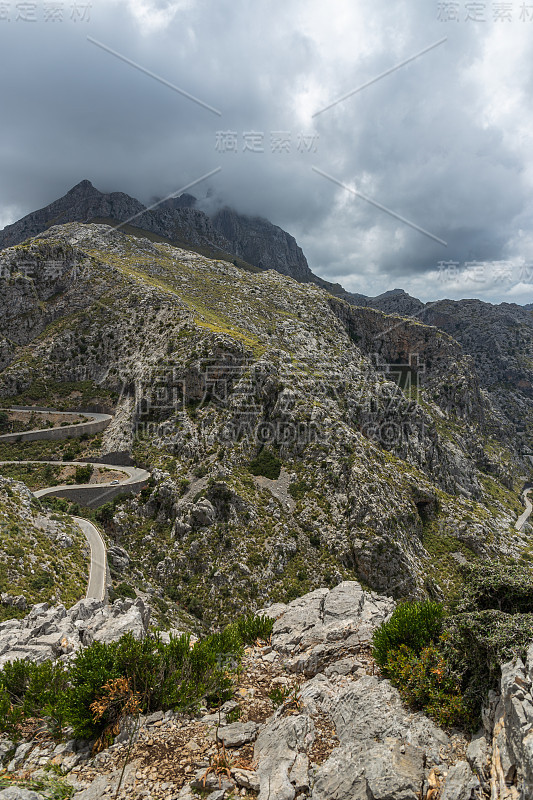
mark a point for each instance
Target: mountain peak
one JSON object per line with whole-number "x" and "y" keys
{"x": 83, "y": 186}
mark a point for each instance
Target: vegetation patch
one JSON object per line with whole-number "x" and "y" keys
{"x": 106, "y": 682}
{"x": 445, "y": 663}
{"x": 267, "y": 464}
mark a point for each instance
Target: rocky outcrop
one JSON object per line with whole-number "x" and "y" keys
{"x": 81, "y": 203}
{"x": 498, "y": 338}
{"x": 19, "y": 793}
{"x": 255, "y": 240}
{"x": 509, "y": 727}
{"x": 262, "y": 244}
{"x": 15, "y": 601}
{"x": 327, "y": 625}
{"x": 384, "y": 751}
{"x": 340, "y": 732}
{"x": 379, "y": 423}
{"x": 50, "y": 633}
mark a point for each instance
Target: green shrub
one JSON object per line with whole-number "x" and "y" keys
{"x": 125, "y": 590}
{"x": 299, "y": 489}
{"x": 234, "y": 715}
{"x": 413, "y": 624}
{"x": 479, "y": 642}
{"x": 278, "y": 695}
{"x": 15, "y": 678}
{"x": 30, "y": 690}
{"x": 267, "y": 464}
{"x": 449, "y": 674}
{"x": 41, "y": 580}
{"x": 84, "y": 474}
{"x": 153, "y": 675}
{"x": 10, "y": 715}
{"x": 497, "y": 586}
{"x": 183, "y": 485}
{"x": 426, "y": 682}
{"x": 200, "y": 470}
{"x": 252, "y": 628}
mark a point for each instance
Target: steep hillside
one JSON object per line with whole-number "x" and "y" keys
{"x": 499, "y": 338}
{"x": 43, "y": 556}
{"x": 298, "y": 440}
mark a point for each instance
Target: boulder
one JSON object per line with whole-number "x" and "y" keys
{"x": 460, "y": 783}
{"x": 237, "y": 734}
{"x": 118, "y": 557}
{"x": 278, "y": 745}
{"x": 391, "y": 771}
{"x": 49, "y": 633}
{"x": 327, "y": 624}
{"x": 246, "y": 778}
{"x": 383, "y": 747}
{"x": 202, "y": 514}
{"x": 15, "y": 601}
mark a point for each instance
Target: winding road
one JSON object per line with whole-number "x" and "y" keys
{"x": 97, "y": 586}
{"x": 522, "y": 519}
{"x": 90, "y": 494}
{"x": 95, "y": 424}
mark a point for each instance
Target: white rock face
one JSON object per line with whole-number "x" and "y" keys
{"x": 50, "y": 633}
{"x": 327, "y": 624}
{"x": 512, "y": 733}
{"x": 385, "y": 751}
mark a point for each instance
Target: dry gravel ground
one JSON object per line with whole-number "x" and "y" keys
{"x": 169, "y": 752}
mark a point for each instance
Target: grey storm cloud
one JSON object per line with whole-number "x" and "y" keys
{"x": 444, "y": 141}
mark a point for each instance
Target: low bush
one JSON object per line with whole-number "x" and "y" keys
{"x": 427, "y": 682}
{"x": 477, "y": 643}
{"x": 106, "y": 681}
{"x": 125, "y": 589}
{"x": 413, "y": 624}
{"x": 448, "y": 674}
{"x": 252, "y": 628}
{"x": 497, "y": 586}
{"x": 84, "y": 474}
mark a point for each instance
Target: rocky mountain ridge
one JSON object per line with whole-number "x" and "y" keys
{"x": 227, "y": 234}
{"x": 498, "y": 337}
{"x": 309, "y": 456}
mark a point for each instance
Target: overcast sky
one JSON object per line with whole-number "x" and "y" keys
{"x": 445, "y": 141}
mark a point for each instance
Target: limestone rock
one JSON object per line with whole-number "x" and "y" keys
{"x": 512, "y": 733}
{"x": 383, "y": 748}
{"x": 17, "y": 793}
{"x": 246, "y": 778}
{"x": 277, "y": 748}
{"x": 237, "y": 734}
{"x": 460, "y": 783}
{"x": 49, "y": 633}
{"x": 118, "y": 557}
{"x": 326, "y": 624}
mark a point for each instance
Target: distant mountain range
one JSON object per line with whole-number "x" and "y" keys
{"x": 248, "y": 242}
{"x": 498, "y": 337}
{"x": 227, "y": 234}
